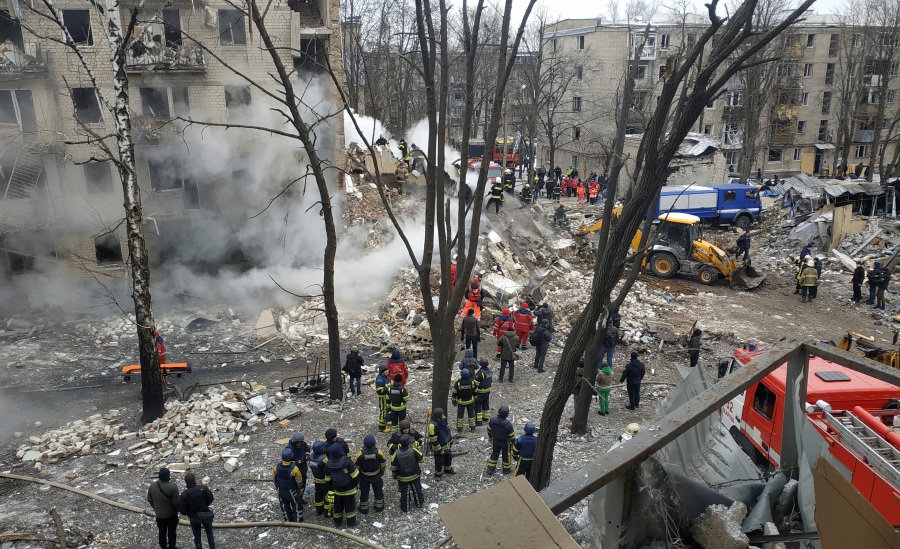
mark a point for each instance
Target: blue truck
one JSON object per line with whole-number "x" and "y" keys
{"x": 727, "y": 204}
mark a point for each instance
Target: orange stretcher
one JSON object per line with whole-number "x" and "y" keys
{"x": 471, "y": 305}
{"x": 176, "y": 368}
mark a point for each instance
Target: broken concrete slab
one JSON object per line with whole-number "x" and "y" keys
{"x": 287, "y": 411}
{"x": 720, "y": 527}
{"x": 265, "y": 326}
{"x": 200, "y": 324}
{"x": 847, "y": 261}
{"x": 31, "y": 455}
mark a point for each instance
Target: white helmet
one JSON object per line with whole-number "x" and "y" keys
{"x": 454, "y": 258}
{"x": 633, "y": 428}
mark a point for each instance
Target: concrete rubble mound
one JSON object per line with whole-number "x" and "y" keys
{"x": 720, "y": 527}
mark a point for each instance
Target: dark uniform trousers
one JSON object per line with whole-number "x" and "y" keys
{"x": 291, "y": 507}
{"x": 376, "y": 482}
{"x": 500, "y": 447}
{"x": 482, "y": 408}
{"x": 416, "y": 489}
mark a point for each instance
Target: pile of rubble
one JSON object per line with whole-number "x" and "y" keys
{"x": 76, "y": 437}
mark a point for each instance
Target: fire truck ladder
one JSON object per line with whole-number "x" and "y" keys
{"x": 880, "y": 454}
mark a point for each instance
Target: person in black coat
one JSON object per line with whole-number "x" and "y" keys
{"x": 353, "y": 367}
{"x": 743, "y": 245}
{"x": 859, "y": 275}
{"x": 694, "y": 346}
{"x": 195, "y": 502}
{"x": 632, "y": 376}
{"x": 543, "y": 335}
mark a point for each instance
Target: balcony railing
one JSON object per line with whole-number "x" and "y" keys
{"x": 15, "y": 59}
{"x": 159, "y": 57}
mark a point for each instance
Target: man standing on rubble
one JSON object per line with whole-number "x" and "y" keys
{"x": 469, "y": 331}
{"x": 544, "y": 312}
{"x": 694, "y": 346}
{"x": 541, "y": 338}
{"x": 523, "y": 451}
{"x": 524, "y": 325}
{"x": 882, "y": 287}
{"x": 399, "y": 399}
{"x": 610, "y": 340}
{"x": 502, "y": 435}
{"x": 604, "y": 386}
{"x": 483, "y": 381}
{"x": 874, "y": 279}
{"x": 401, "y": 173}
{"x": 468, "y": 361}
{"x": 300, "y": 448}
{"x": 859, "y": 275}
{"x": 407, "y": 470}
{"x": 405, "y": 429}
{"x": 743, "y": 245}
{"x": 496, "y": 196}
{"x": 475, "y": 295}
{"x": 287, "y": 478}
{"x": 317, "y": 458}
{"x": 371, "y": 464}
{"x": 353, "y": 367}
{"x": 503, "y": 324}
{"x": 195, "y": 502}
{"x": 509, "y": 181}
{"x": 163, "y": 497}
{"x": 508, "y": 345}
{"x": 632, "y": 376}
{"x": 441, "y": 444}
{"x": 383, "y": 390}
{"x": 342, "y": 477}
{"x": 463, "y": 397}
{"x": 332, "y": 439}
{"x": 808, "y": 278}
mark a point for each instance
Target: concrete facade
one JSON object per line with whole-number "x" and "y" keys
{"x": 57, "y": 203}
{"x": 793, "y": 142}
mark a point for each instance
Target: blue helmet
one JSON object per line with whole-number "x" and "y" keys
{"x": 335, "y": 451}
{"x": 369, "y": 441}
{"x": 318, "y": 447}
{"x": 529, "y": 428}
{"x": 287, "y": 455}
{"x": 465, "y": 373}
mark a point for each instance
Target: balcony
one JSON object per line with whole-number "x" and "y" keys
{"x": 17, "y": 60}
{"x": 155, "y": 56}
{"x": 733, "y": 112}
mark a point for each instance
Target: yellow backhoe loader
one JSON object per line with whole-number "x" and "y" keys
{"x": 865, "y": 346}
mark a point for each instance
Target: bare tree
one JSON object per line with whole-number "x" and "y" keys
{"x": 880, "y": 71}
{"x": 117, "y": 147}
{"x": 692, "y": 79}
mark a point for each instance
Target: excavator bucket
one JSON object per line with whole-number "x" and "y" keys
{"x": 747, "y": 278}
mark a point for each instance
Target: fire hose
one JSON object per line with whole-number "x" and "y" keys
{"x": 184, "y": 522}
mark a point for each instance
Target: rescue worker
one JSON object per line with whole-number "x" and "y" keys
{"x": 814, "y": 291}
{"x": 300, "y": 448}
{"x": 536, "y": 188}
{"x": 859, "y": 275}
{"x": 502, "y": 324}
{"x": 502, "y": 436}
{"x": 557, "y": 191}
{"x": 559, "y": 217}
{"x": 332, "y": 439}
{"x": 604, "y": 386}
{"x": 495, "y": 196}
{"x": 526, "y": 194}
{"x": 882, "y": 287}
{"x": 399, "y": 397}
{"x": 453, "y": 268}
{"x": 523, "y": 451}
{"x": 610, "y": 340}
{"x": 469, "y": 332}
{"x": 808, "y": 278}
{"x": 401, "y": 173}
{"x": 371, "y": 464}
{"x": 557, "y": 171}
{"x": 383, "y": 390}
{"x": 524, "y": 325}
{"x": 509, "y": 181}
{"x": 316, "y": 459}
{"x": 441, "y": 443}
{"x": 508, "y": 345}
{"x": 381, "y": 141}
{"x": 397, "y": 366}
{"x": 632, "y": 376}
{"x": 593, "y": 192}
{"x": 743, "y": 245}
{"x": 694, "y": 346}
{"x": 164, "y": 498}
{"x": 473, "y": 293}
{"x": 482, "y": 384}
{"x": 580, "y": 192}
{"x": 468, "y": 361}
{"x": 541, "y": 338}
{"x": 161, "y": 348}
{"x": 288, "y": 478}
{"x": 406, "y": 468}
{"x": 405, "y": 429}
{"x": 353, "y": 366}
{"x": 404, "y": 149}
{"x": 873, "y": 280}
{"x": 342, "y": 478}
{"x": 463, "y": 397}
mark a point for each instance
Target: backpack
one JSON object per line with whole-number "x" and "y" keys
{"x": 533, "y": 339}
{"x": 406, "y": 462}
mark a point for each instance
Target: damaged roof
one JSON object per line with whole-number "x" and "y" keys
{"x": 807, "y": 186}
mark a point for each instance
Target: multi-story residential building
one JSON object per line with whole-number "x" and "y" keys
{"x": 60, "y": 198}
{"x": 797, "y": 123}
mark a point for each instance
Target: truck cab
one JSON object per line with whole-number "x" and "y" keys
{"x": 727, "y": 204}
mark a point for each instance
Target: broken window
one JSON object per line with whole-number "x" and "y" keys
{"x": 833, "y": 45}
{"x": 237, "y": 96}
{"x": 707, "y": 129}
{"x": 730, "y": 196}
{"x": 172, "y": 24}
{"x": 87, "y": 106}
{"x": 829, "y": 74}
{"x": 7, "y": 108}
{"x": 764, "y": 401}
{"x": 312, "y": 55}
{"x": 108, "y": 249}
{"x": 231, "y": 28}
{"x": 165, "y": 175}
{"x": 180, "y": 103}
{"x": 19, "y": 263}
{"x": 78, "y": 23}
{"x": 638, "y": 100}
{"x": 98, "y": 178}
{"x": 810, "y": 40}
{"x": 801, "y": 126}
{"x": 155, "y": 102}
{"x": 27, "y": 117}
{"x": 823, "y": 130}
{"x": 191, "y": 194}
{"x": 10, "y": 30}
{"x": 774, "y": 155}
{"x": 826, "y": 102}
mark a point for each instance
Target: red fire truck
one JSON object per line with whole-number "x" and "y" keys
{"x": 477, "y": 148}
{"x": 853, "y": 412}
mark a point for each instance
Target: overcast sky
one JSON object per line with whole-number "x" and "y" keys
{"x": 579, "y": 9}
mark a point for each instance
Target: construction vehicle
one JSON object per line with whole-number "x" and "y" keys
{"x": 584, "y": 229}
{"x": 853, "y": 412}
{"x": 864, "y": 345}
{"x": 680, "y": 249}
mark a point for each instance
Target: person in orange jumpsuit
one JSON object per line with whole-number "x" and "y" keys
{"x": 580, "y": 191}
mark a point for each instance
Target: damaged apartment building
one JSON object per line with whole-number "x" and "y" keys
{"x": 61, "y": 203}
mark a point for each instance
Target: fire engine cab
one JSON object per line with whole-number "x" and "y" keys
{"x": 853, "y": 412}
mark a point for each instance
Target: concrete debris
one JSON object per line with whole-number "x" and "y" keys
{"x": 287, "y": 411}
{"x": 19, "y": 325}
{"x": 76, "y": 437}
{"x": 257, "y": 404}
{"x": 720, "y": 527}
{"x": 200, "y": 324}
{"x": 265, "y": 326}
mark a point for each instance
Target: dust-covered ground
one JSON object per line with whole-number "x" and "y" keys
{"x": 66, "y": 369}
